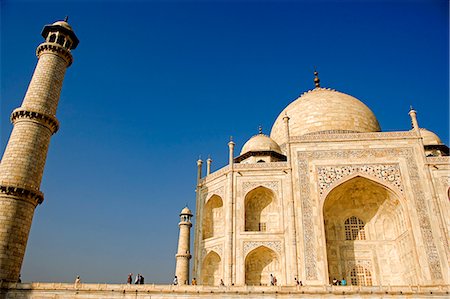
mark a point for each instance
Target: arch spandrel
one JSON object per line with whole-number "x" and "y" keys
{"x": 349, "y": 177}
{"x": 331, "y": 176}
{"x": 248, "y": 187}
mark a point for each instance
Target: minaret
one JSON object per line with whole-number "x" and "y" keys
{"x": 24, "y": 158}
{"x": 183, "y": 254}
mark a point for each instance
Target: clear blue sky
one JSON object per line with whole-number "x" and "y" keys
{"x": 156, "y": 84}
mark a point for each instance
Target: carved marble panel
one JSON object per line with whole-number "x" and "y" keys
{"x": 419, "y": 200}
{"x": 250, "y": 245}
{"x": 272, "y": 185}
{"x": 331, "y": 175}
{"x": 216, "y": 248}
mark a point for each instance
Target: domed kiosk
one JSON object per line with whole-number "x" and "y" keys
{"x": 259, "y": 149}
{"x": 432, "y": 144}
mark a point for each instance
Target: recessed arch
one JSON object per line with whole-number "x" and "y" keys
{"x": 362, "y": 223}
{"x": 374, "y": 179}
{"x": 211, "y": 269}
{"x": 259, "y": 264}
{"x": 213, "y": 222}
{"x": 261, "y": 210}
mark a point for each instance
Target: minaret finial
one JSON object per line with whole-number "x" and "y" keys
{"x": 316, "y": 78}
{"x": 260, "y": 129}
{"x": 66, "y": 19}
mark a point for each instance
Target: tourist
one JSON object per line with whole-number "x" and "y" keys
{"x": 335, "y": 281}
{"x": 297, "y": 282}
{"x": 138, "y": 278}
{"x": 175, "y": 280}
{"x": 300, "y": 283}
{"x": 141, "y": 279}
{"x": 275, "y": 280}
{"x": 77, "y": 281}
{"x": 130, "y": 278}
{"x": 343, "y": 282}
{"x": 271, "y": 280}
{"x": 221, "y": 283}
{"x": 194, "y": 281}
{"x": 19, "y": 280}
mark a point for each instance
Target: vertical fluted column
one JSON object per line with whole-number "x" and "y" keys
{"x": 23, "y": 161}
{"x": 183, "y": 253}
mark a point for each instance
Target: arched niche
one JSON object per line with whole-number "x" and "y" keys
{"x": 259, "y": 264}
{"x": 260, "y": 210}
{"x": 211, "y": 269}
{"x": 364, "y": 222}
{"x": 213, "y": 221}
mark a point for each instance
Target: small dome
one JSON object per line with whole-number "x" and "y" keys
{"x": 324, "y": 110}
{"x": 63, "y": 24}
{"x": 259, "y": 143}
{"x": 429, "y": 138}
{"x": 186, "y": 211}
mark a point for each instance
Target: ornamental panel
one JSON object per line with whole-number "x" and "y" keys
{"x": 250, "y": 245}
{"x": 330, "y": 176}
{"x": 419, "y": 200}
{"x": 272, "y": 185}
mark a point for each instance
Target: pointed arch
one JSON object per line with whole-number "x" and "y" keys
{"x": 260, "y": 210}
{"x": 360, "y": 213}
{"x": 374, "y": 179}
{"x": 211, "y": 269}
{"x": 213, "y": 222}
{"x": 259, "y": 264}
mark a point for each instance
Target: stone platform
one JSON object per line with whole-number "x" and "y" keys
{"x": 103, "y": 291}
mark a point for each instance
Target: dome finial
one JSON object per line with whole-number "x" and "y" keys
{"x": 316, "y": 78}
{"x": 66, "y": 19}
{"x": 260, "y": 129}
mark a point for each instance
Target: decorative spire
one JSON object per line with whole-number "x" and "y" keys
{"x": 316, "y": 78}
{"x": 260, "y": 129}
{"x": 413, "y": 114}
{"x": 66, "y": 19}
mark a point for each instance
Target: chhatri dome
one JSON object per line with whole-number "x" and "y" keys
{"x": 324, "y": 110}
{"x": 429, "y": 138}
{"x": 259, "y": 143}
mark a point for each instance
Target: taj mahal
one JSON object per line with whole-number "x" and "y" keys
{"x": 325, "y": 195}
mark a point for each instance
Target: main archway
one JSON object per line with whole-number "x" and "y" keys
{"x": 259, "y": 264}
{"x": 367, "y": 239}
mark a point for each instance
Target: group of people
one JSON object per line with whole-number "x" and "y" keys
{"x": 298, "y": 282}
{"x": 342, "y": 282}
{"x": 273, "y": 280}
{"x": 138, "y": 280}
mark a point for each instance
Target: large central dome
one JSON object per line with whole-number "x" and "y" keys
{"x": 324, "y": 110}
